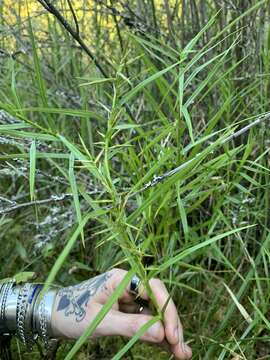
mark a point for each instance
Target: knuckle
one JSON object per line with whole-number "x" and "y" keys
{"x": 158, "y": 334}
{"x": 157, "y": 283}
{"x": 113, "y": 271}
{"x": 135, "y": 326}
{"x": 154, "y": 334}
{"x": 139, "y": 323}
{"x": 117, "y": 276}
{"x": 117, "y": 271}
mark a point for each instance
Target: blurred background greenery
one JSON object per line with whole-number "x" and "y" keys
{"x": 98, "y": 100}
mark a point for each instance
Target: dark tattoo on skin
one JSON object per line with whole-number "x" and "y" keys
{"x": 74, "y": 299}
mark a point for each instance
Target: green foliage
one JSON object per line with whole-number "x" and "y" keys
{"x": 83, "y": 158}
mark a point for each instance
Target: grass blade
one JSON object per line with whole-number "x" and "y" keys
{"x": 32, "y": 170}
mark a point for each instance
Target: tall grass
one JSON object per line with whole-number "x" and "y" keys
{"x": 83, "y": 158}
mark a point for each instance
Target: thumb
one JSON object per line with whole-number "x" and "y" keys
{"x": 118, "y": 323}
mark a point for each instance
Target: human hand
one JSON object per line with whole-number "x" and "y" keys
{"x": 76, "y": 307}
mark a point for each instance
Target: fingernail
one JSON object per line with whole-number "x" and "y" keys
{"x": 187, "y": 349}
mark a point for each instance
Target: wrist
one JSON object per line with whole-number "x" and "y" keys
{"x": 23, "y": 314}
{"x": 42, "y": 315}
{"x": 56, "y": 321}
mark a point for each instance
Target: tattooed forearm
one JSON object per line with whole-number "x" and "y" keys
{"x": 73, "y": 300}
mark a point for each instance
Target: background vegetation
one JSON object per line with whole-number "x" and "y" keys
{"x": 95, "y": 112}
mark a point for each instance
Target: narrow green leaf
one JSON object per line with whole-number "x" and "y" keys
{"x": 136, "y": 337}
{"x": 240, "y": 307}
{"x": 32, "y": 170}
{"x": 188, "y": 122}
{"x": 194, "y": 40}
{"x": 64, "y": 111}
{"x": 95, "y": 81}
{"x": 182, "y": 212}
{"x": 183, "y": 254}
{"x": 67, "y": 248}
{"x": 145, "y": 82}
{"x": 74, "y": 190}
{"x": 37, "y": 66}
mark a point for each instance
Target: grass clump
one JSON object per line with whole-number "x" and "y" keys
{"x": 119, "y": 147}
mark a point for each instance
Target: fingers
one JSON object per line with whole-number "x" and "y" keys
{"x": 180, "y": 350}
{"x": 172, "y": 325}
{"x": 173, "y": 328}
{"x": 173, "y": 331}
{"x": 176, "y": 350}
{"x": 118, "y": 323}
